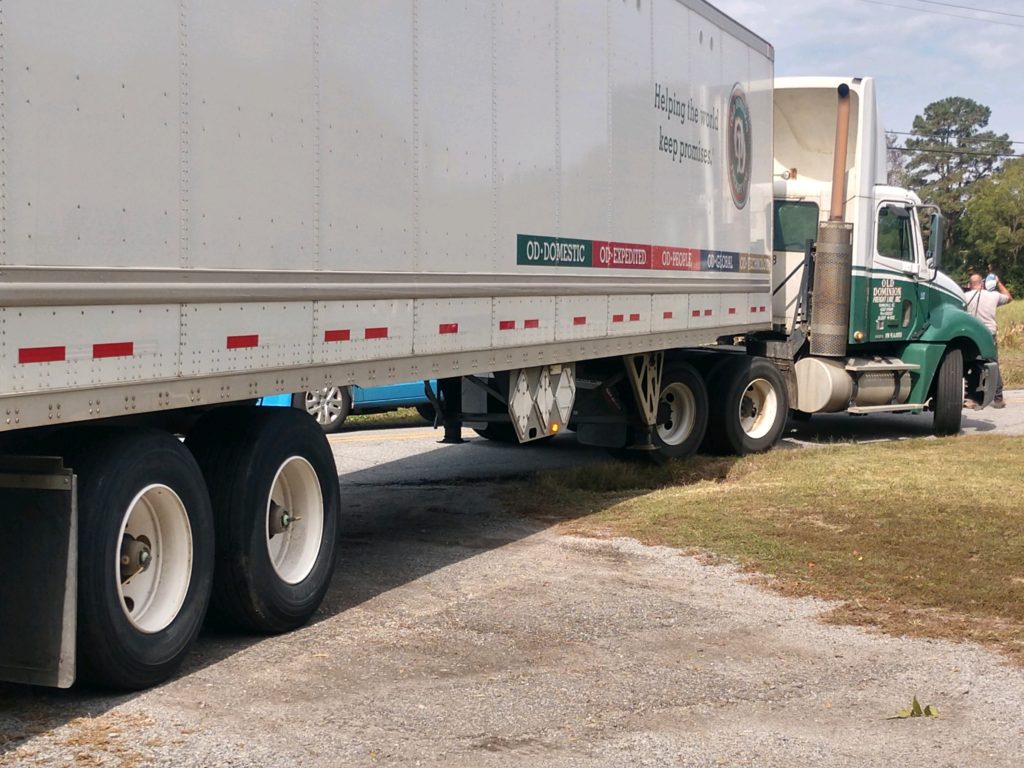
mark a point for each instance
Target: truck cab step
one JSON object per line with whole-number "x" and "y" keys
{"x": 862, "y": 409}
{"x": 884, "y": 365}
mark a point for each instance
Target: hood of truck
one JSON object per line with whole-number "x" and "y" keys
{"x": 948, "y": 287}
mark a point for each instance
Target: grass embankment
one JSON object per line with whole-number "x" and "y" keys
{"x": 1010, "y": 322}
{"x": 918, "y": 537}
{"x": 403, "y": 417}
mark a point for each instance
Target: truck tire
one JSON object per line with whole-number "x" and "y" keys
{"x": 274, "y": 489}
{"x": 749, "y": 406}
{"x": 330, "y": 406}
{"x": 949, "y": 394}
{"x": 684, "y": 404}
{"x": 145, "y": 555}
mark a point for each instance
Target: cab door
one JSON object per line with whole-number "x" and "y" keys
{"x": 896, "y": 306}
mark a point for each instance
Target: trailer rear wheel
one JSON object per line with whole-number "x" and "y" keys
{"x": 749, "y": 406}
{"x": 682, "y": 412}
{"x": 274, "y": 488}
{"x": 949, "y": 394}
{"x": 145, "y": 555}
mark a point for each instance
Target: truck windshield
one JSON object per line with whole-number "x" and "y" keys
{"x": 795, "y": 224}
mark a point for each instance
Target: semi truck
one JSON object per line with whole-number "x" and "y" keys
{"x": 569, "y": 214}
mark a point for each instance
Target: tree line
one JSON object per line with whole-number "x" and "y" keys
{"x": 972, "y": 175}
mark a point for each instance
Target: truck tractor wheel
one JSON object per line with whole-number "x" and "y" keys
{"x": 749, "y": 406}
{"x": 274, "y": 488}
{"x": 330, "y": 406}
{"x": 145, "y": 555}
{"x": 682, "y": 412}
{"x": 949, "y": 394}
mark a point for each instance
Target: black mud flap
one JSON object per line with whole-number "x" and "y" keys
{"x": 38, "y": 571}
{"x": 989, "y": 379}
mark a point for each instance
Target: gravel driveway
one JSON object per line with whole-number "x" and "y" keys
{"x": 459, "y": 635}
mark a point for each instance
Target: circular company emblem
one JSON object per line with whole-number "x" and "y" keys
{"x": 740, "y": 146}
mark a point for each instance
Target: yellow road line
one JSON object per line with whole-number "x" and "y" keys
{"x": 379, "y": 438}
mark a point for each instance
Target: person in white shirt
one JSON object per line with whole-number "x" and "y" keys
{"x": 983, "y": 305}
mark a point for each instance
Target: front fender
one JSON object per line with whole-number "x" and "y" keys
{"x": 947, "y": 323}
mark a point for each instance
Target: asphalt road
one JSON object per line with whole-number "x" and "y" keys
{"x": 457, "y": 633}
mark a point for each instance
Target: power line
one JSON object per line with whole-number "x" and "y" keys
{"x": 963, "y": 153}
{"x": 934, "y": 136}
{"x": 972, "y": 8}
{"x": 944, "y": 13}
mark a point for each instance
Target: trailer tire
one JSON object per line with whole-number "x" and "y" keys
{"x": 330, "y": 406}
{"x": 685, "y": 399}
{"x": 139, "y": 487}
{"x": 949, "y": 394}
{"x": 274, "y": 489}
{"x": 749, "y": 406}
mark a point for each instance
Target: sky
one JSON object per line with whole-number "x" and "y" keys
{"x": 917, "y": 51}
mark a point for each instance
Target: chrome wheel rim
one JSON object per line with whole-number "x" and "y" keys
{"x": 326, "y": 405}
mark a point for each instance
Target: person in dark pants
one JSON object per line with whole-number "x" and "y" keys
{"x": 983, "y": 305}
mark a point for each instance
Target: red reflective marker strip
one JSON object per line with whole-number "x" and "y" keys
{"x": 375, "y": 333}
{"x": 531, "y": 324}
{"x": 115, "y": 349}
{"x": 762, "y": 309}
{"x": 732, "y": 310}
{"x": 445, "y": 328}
{"x": 341, "y": 334}
{"x": 708, "y": 313}
{"x": 635, "y": 317}
{"x": 507, "y": 325}
{"x": 618, "y": 318}
{"x": 244, "y": 342}
{"x": 581, "y": 320}
{"x": 696, "y": 313}
{"x": 41, "y": 354}
{"x": 753, "y": 309}
{"x": 666, "y": 315}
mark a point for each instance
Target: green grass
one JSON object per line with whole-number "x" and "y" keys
{"x": 403, "y": 417}
{"x": 1010, "y": 322}
{"x": 921, "y": 537}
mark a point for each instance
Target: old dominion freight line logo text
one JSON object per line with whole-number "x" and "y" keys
{"x": 544, "y": 251}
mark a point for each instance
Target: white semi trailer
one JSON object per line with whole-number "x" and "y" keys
{"x": 561, "y": 210}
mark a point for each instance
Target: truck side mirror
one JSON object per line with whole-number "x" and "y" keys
{"x": 934, "y": 252}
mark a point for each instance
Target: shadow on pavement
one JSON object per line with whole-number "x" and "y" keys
{"x": 390, "y": 535}
{"x": 844, "y": 427}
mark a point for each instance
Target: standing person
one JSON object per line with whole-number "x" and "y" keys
{"x": 983, "y": 305}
